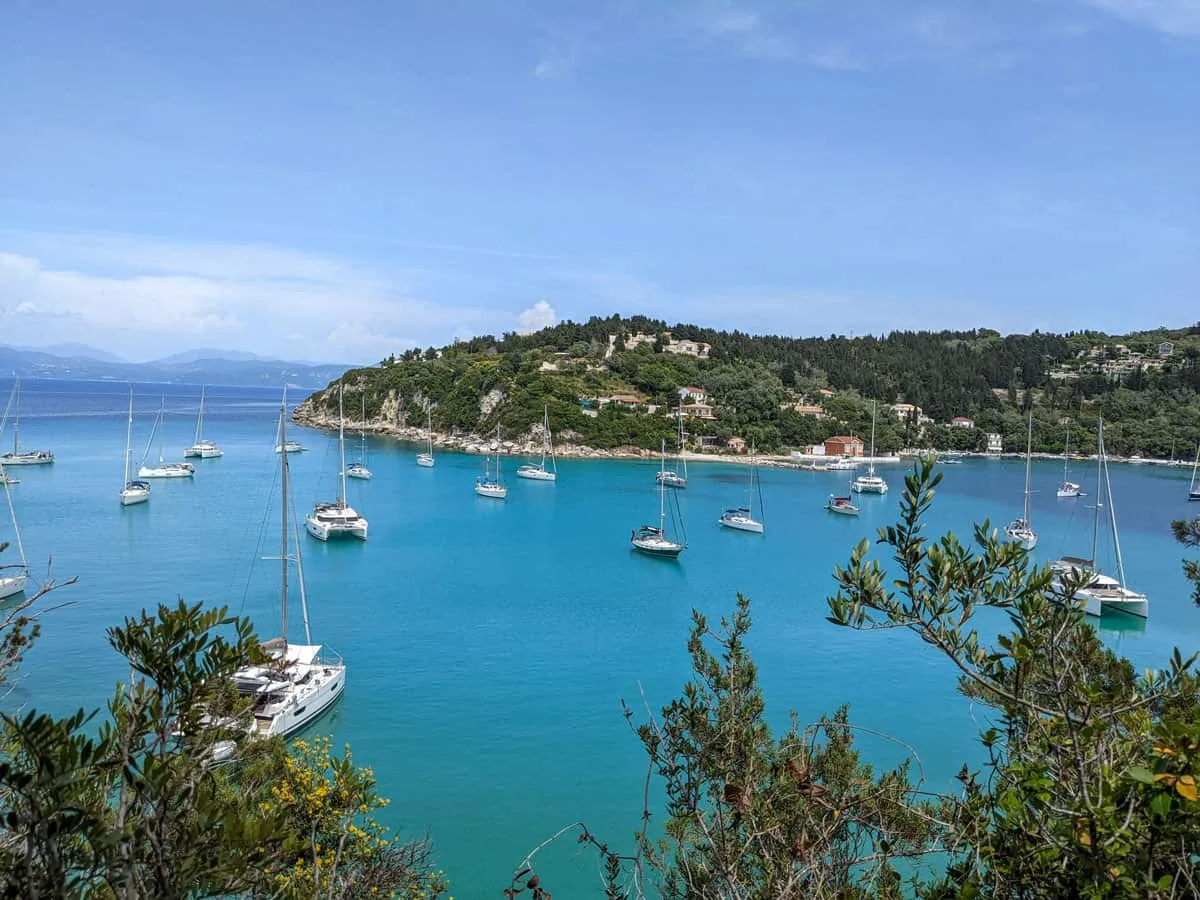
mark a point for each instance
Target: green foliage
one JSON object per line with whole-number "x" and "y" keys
{"x": 1188, "y": 533}
{"x": 1090, "y": 784}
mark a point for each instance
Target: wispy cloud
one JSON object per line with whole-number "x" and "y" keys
{"x": 143, "y": 297}
{"x": 1177, "y": 17}
{"x": 743, "y": 28}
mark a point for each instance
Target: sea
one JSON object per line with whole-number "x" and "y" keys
{"x": 490, "y": 644}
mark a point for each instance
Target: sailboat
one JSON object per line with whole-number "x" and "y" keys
{"x": 1194, "y": 486}
{"x": 358, "y": 468}
{"x": 842, "y": 506}
{"x": 1019, "y": 530}
{"x": 678, "y": 477}
{"x": 742, "y": 518}
{"x": 202, "y": 447}
{"x": 654, "y": 541}
{"x": 17, "y": 456}
{"x": 870, "y": 483}
{"x": 163, "y": 469}
{"x": 539, "y": 472}
{"x": 133, "y": 491}
{"x": 337, "y": 519}
{"x": 486, "y": 485}
{"x": 299, "y": 683}
{"x": 14, "y": 576}
{"x": 1068, "y": 488}
{"x": 1101, "y": 593}
{"x": 426, "y": 459}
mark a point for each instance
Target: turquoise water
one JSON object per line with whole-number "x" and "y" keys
{"x": 489, "y": 644}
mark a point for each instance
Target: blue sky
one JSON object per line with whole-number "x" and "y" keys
{"x": 337, "y": 180}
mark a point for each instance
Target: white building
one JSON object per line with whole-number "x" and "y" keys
{"x": 995, "y": 444}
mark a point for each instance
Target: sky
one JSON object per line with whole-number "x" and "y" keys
{"x": 340, "y": 181}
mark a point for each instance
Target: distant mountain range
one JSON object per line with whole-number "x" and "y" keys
{"x": 202, "y": 366}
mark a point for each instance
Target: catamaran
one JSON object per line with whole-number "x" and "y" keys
{"x": 870, "y": 483}
{"x": 134, "y": 490}
{"x": 426, "y": 459}
{"x": 1194, "y": 486}
{"x": 299, "y": 683}
{"x": 539, "y": 472}
{"x": 1019, "y": 530}
{"x": 651, "y": 540}
{"x": 1100, "y": 593}
{"x": 17, "y": 456}
{"x": 202, "y": 448}
{"x": 742, "y": 518}
{"x": 163, "y": 469}
{"x": 337, "y": 519}
{"x": 677, "y": 477}
{"x": 358, "y": 468}
{"x": 486, "y": 485}
{"x": 1068, "y": 488}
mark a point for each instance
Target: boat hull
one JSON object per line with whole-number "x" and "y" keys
{"x": 308, "y": 708}
{"x": 198, "y": 452}
{"x": 671, "y": 480}
{"x": 43, "y": 458}
{"x": 842, "y": 509}
{"x": 536, "y": 473}
{"x": 177, "y": 470}
{"x": 361, "y": 473}
{"x": 659, "y": 550}
{"x": 134, "y": 496}
{"x": 869, "y": 487}
{"x": 425, "y": 461}
{"x": 741, "y": 523}
{"x": 491, "y": 491}
{"x": 332, "y": 531}
{"x": 11, "y": 585}
{"x": 1194, "y": 495}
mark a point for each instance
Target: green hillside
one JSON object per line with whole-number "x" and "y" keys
{"x": 610, "y": 382}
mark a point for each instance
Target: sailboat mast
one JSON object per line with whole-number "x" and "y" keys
{"x": 12, "y": 515}
{"x": 341, "y": 500}
{"x": 873, "y": 403}
{"x": 17, "y": 418}
{"x": 1099, "y": 486}
{"x": 662, "y": 492}
{"x": 200, "y": 419}
{"x": 283, "y": 523}
{"x": 129, "y": 440}
{"x": 1066, "y": 454}
{"x": 545, "y": 433}
{"x": 681, "y": 456}
{"x": 1112, "y": 518}
{"x": 1028, "y": 462}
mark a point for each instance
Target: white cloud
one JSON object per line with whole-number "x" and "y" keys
{"x": 540, "y": 315}
{"x": 744, "y": 28}
{"x": 143, "y": 298}
{"x": 1179, "y": 17}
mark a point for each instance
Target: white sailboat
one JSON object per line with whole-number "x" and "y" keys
{"x": 677, "y": 477}
{"x": 163, "y": 469}
{"x": 299, "y": 683}
{"x": 202, "y": 448}
{"x": 539, "y": 472}
{"x": 742, "y": 518}
{"x": 426, "y": 459}
{"x": 1194, "y": 485}
{"x": 651, "y": 540}
{"x": 1101, "y": 593}
{"x": 486, "y": 485}
{"x": 358, "y": 468}
{"x": 1068, "y": 488}
{"x": 133, "y": 491}
{"x": 17, "y": 456}
{"x": 337, "y": 519}
{"x": 870, "y": 483}
{"x": 1019, "y": 530}
{"x": 13, "y": 576}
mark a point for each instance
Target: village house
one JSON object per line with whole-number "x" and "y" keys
{"x": 698, "y": 411}
{"x": 962, "y": 422}
{"x": 736, "y": 444}
{"x": 1165, "y": 349}
{"x": 692, "y": 395}
{"x": 806, "y": 409}
{"x": 698, "y": 349}
{"x": 843, "y": 446}
{"x": 995, "y": 443}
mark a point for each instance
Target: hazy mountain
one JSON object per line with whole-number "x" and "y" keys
{"x": 205, "y": 366}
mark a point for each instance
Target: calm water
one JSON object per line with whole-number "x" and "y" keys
{"x": 489, "y": 644}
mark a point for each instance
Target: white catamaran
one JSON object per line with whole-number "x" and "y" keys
{"x": 426, "y": 459}
{"x": 17, "y": 456}
{"x": 298, "y": 684}
{"x": 133, "y": 490}
{"x": 163, "y": 469}
{"x": 539, "y": 472}
{"x": 1101, "y": 593}
{"x": 870, "y": 483}
{"x": 202, "y": 448}
{"x": 486, "y": 485}
{"x": 651, "y": 540}
{"x": 677, "y": 477}
{"x": 742, "y": 518}
{"x": 1019, "y": 530}
{"x": 358, "y": 468}
{"x": 337, "y": 519}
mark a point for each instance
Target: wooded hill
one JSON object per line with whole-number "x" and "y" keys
{"x": 753, "y": 382}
